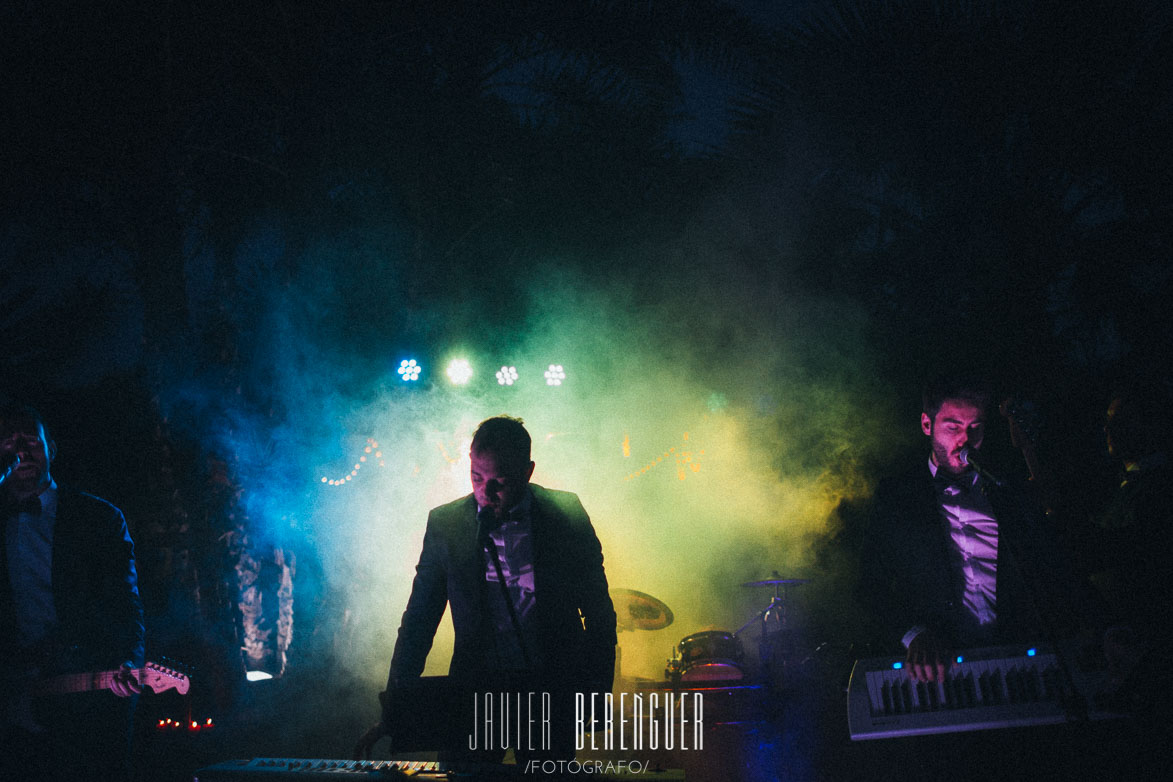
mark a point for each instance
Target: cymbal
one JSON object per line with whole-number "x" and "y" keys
{"x": 777, "y": 581}
{"x": 638, "y": 611}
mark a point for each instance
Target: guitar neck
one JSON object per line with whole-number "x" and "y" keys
{"x": 152, "y": 675}
{"x": 75, "y": 682}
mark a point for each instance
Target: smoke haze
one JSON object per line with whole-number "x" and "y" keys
{"x": 711, "y": 422}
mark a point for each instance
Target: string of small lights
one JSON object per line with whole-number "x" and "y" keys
{"x": 371, "y": 451}
{"x": 687, "y": 459}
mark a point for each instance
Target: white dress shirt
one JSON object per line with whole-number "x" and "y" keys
{"x": 974, "y": 532}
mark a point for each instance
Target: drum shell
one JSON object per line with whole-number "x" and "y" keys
{"x": 712, "y": 655}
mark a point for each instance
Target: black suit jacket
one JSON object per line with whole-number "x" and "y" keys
{"x": 911, "y": 572}
{"x": 94, "y": 582}
{"x": 576, "y": 620}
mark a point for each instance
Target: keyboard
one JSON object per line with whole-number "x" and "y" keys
{"x": 311, "y": 769}
{"x": 326, "y": 770}
{"x": 997, "y": 687}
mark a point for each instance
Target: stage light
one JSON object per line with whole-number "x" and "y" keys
{"x": 409, "y": 370}
{"x": 459, "y": 371}
{"x": 506, "y": 376}
{"x": 555, "y": 375}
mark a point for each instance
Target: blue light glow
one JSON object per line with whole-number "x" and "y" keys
{"x": 897, "y": 666}
{"x": 960, "y": 659}
{"x": 409, "y": 370}
{"x": 1031, "y": 652}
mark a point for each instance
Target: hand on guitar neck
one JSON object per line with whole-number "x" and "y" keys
{"x": 123, "y": 681}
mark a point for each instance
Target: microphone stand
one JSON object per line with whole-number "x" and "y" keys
{"x": 485, "y": 525}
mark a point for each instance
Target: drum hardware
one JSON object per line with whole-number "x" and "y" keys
{"x": 718, "y": 655}
{"x": 772, "y": 620}
{"x": 708, "y": 656}
{"x": 775, "y": 612}
{"x": 775, "y": 580}
{"x": 637, "y": 611}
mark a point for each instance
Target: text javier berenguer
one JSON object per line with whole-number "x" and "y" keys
{"x": 628, "y": 721}
{"x": 654, "y": 720}
{"x": 510, "y": 719}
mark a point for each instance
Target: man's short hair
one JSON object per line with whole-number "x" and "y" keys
{"x": 504, "y": 437}
{"x": 964, "y": 387}
{"x": 14, "y": 414}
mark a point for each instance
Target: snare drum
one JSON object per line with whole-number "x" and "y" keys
{"x": 713, "y": 655}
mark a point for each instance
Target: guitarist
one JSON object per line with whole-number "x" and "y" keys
{"x": 69, "y": 602}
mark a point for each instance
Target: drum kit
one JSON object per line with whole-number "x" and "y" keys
{"x": 713, "y": 657}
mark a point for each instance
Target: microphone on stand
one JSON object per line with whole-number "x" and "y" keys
{"x": 6, "y": 466}
{"x": 487, "y": 521}
{"x": 969, "y": 456}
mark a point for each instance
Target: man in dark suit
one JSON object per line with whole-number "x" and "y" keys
{"x": 951, "y": 560}
{"x": 69, "y": 602}
{"x": 522, "y": 570}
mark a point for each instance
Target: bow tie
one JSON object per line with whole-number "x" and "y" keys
{"x": 954, "y": 485}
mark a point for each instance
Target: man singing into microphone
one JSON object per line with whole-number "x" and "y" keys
{"x": 522, "y": 570}
{"x": 950, "y": 560}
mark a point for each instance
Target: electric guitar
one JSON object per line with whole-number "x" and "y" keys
{"x": 153, "y": 676}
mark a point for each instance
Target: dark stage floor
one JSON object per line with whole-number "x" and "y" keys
{"x": 795, "y": 735}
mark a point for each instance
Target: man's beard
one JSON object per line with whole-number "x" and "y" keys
{"x": 941, "y": 455}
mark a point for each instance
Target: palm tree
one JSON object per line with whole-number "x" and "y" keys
{"x": 968, "y": 167}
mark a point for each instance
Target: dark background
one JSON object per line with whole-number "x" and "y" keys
{"x": 973, "y": 185}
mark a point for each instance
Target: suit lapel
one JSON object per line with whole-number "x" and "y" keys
{"x": 538, "y": 524}
{"x": 940, "y": 540}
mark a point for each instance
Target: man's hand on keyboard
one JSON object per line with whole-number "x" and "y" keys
{"x": 928, "y": 657}
{"x": 366, "y": 742}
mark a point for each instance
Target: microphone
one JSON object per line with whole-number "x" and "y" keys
{"x": 487, "y": 521}
{"x": 6, "y": 466}
{"x": 967, "y": 456}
